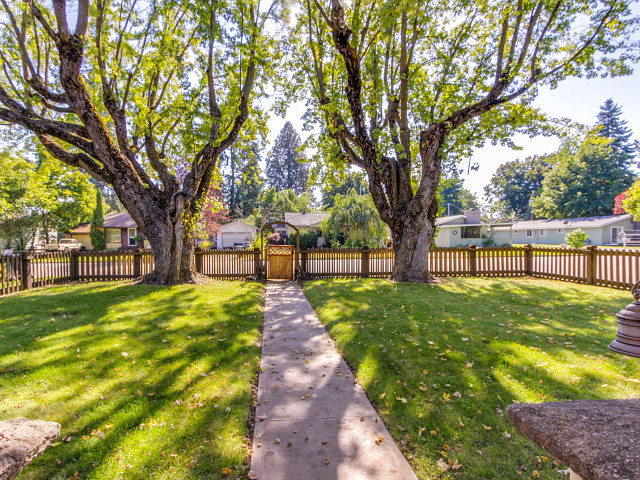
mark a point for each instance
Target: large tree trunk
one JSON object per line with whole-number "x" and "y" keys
{"x": 412, "y": 238}
{"x": 172, "y": 254}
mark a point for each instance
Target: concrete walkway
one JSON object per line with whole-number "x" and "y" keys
{"x": 313, "y": 421}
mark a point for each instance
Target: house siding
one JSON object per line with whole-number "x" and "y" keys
{"x": 597, "y": 235}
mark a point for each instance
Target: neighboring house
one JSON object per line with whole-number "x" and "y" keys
{"x": 469, "y": 229}
{"x": 120, "y": 233}
{"x": 603, "y": 230}
{"x": 235, "y": 234}
{"x": 311, "y": 222}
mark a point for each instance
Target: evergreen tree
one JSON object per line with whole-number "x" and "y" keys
{"x": 249, "y": 183}
{"x": 96, "y": 234}
{"x": 285, "y": 170}
{"x": 614, "y": 128}
{"x": 242, "y": 183}
{"x": 582, "y": 183}
{"x": 454, "y": 199}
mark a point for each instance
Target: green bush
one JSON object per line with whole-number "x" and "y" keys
{"x": 308, "y": 239}
{"x": 96, "y": 233}
{"x": 576, "y": 238}
{"x": 489, "y": 242}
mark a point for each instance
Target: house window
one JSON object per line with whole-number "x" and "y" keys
{"x": 515, "y": 231}
{"x": 529, "y": 233}
{"x": 132, "y": 233}
{"x": 543, "y": 232}
{"x": 112, "y": 235}
{"x": 471, "y": 232}
{"x": 561, "y": 230}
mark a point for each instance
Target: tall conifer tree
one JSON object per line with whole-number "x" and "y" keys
{"x": 285, "y": 169}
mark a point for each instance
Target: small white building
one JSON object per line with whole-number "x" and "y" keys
{"x": 236, "y": 234}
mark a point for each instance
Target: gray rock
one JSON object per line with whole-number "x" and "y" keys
{"x": 22, "y": 440}
{"x": 598, "y": 439}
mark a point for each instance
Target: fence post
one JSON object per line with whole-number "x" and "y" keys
{"x": 364, "y": 268}
{"x": 528, "y": 260}
{"x": 303, "y": 261}
{"x": 198, "y": 257}
{"x": 592, "y": 252}
{"x": 137, "y": 263}
{"x": 473, "y": 267}
{"x": 256, "y": 263}
{"x": 25, "y": 258}
{"x": 73, "y": 266}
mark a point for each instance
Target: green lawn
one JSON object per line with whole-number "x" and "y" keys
{"x": 147, "y": 382}
{"x": 443, "y": 362}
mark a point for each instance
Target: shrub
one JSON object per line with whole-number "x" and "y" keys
{"x": 489, "y": 242}
{"x": 276, "y": 239}
{"x": 307, "y": 239}
{"x": 95, "y": 232}
{"x": 576, "y": 238}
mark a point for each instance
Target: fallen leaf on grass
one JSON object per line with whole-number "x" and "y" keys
{"x": 442, "y": 465}
{"x": 226, "y": 471}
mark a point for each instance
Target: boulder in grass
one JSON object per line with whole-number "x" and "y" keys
{"x": 21, "y": 441}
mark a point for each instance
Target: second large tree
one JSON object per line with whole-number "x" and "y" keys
{"x": 401, "y": 87}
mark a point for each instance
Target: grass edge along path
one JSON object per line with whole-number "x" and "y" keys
{"x": 147, "y": 382}
{"x": 442, "y": 362}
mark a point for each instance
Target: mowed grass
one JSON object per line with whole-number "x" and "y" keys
{"x": 443, "y": 362}
{"x": 147, "y": 382}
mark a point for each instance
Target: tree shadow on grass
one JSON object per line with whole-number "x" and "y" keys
{"x": 147, "y": 382}
{"x": 443, "y": 362}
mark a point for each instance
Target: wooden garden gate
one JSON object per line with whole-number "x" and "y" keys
{"x": 280, "y": 259}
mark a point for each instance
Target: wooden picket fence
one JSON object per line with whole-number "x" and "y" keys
{"x": 614, "y": 268}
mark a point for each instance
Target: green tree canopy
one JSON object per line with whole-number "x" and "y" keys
{"x": 454, "y": 198}
{"x": 127, "y": 90}
{"x": 514, "y": 184}
{"x": 353, "y": 221}
{"x": 342, "y": 185}
{"x": 582, "y": 182}
{"x": 273, "y": 205}
{"x": 399, "y": 88}
{"x": 286, "y": 168}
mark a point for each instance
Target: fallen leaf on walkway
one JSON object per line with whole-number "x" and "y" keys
{"x": 379, "y": 440}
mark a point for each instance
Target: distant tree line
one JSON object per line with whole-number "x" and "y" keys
{"x": 583, "y": 178}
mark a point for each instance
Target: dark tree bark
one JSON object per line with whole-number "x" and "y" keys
{"x": 165, "y": 209}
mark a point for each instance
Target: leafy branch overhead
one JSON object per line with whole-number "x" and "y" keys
{"x": 401, "y": 87}
{"x": 127, "y": 90}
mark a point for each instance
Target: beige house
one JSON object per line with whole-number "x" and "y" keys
{"x": 310, "y": 222}
{"x": 120, "y": 233}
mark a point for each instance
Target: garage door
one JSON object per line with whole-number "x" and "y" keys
{"x": 228, "y": 239}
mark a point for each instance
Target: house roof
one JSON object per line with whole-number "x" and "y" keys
{"x": 581, "y": 222}
{"x": 305, "y": 219}
{"x": 449, "y": 219}
{"x": 238, "y": 227}
{"x": 118, "y": 220}
{"x": 82, "y": 228}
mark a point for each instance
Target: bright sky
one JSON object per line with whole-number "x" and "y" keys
{"x": 577, "y": 99}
